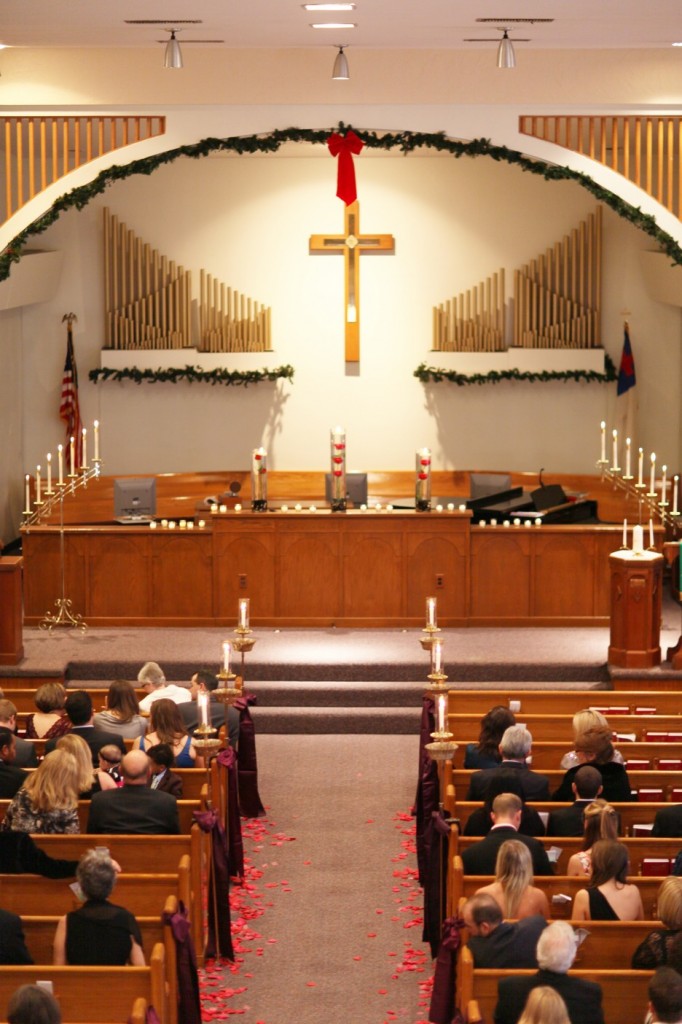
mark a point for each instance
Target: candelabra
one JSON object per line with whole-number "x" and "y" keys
{"x": 646, "y": 497}
{"x": 227, "y": 694}
{"x": 207, "y": 743}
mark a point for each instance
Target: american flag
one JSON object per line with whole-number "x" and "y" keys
{"x": 68, "y": 405}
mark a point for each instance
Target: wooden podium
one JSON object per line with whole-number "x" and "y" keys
{"x": 636, "y": 589}
{"x": 11, "y": 611}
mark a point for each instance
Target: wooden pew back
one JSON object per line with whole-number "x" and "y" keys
{"x": 465, "y": 726}
{"x": 630, "y": 814}
{"x": 639, "y": 779}
{"x": 547, "y": 754}
{"x": 186, "y": 809}
{"x": 561, "y": 702}
{"x": 638, "y": 849}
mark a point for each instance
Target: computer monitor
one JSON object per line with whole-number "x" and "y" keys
{"x": 134, "y": 498}
{"x": 356, "y": 488}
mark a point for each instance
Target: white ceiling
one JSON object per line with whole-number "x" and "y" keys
{"x": 381, "y": 24}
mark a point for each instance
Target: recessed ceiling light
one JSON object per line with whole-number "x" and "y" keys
{"x": 334, "y": 24}
{"x": 328, "y": 7}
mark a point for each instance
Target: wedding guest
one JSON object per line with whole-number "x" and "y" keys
{"x": 32, "y": 1004}
{"x": 50, "y": 720}
{"x": 79, "y": 709}
{"x": 584, "y": 721}
{"x": 544, "y": 1006}
{"x": 166, "y": 726}
{"x": 513, "y": 886}
{"x": 48, "y": 800}
{"x": 25, "y": 753}
{"x": 655, "y": 950}
{"x": 122, "y": 713}
{"x": 163, "y": 777}
{"x": 11, "y": 777}
{"x": 152, "y": 679}
{"x": 596, "y": 748}
{"x": 90, "y": 780}
{"x": 480, "y": 821}
{"x": 486, "y": 753}
{"x": 601, "y": 822}
{"x": 609, "y": 896}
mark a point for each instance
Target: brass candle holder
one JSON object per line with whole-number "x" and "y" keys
{"x": 227, "y": 694}
{"x": 207, "y": 743}
{"x": 438, "y": 682}
{"x": 243, "y": 642}
{"x": 427, "y": 641}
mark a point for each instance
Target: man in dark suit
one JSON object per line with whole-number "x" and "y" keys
{"x": 12, "y": 943}
{"x": 205, "y": 681}
{"x": 515, "y": 747}
{"x": 134, "y": 808}
{"x": 11, "y": 777}
{"x": 556, "y": 951}
{"x": 25, "y": 756}
{"x": 668, "y": 822}
{"x": 568, "y": 821}
{"x": 480, "y": 858}
{"x": 78, "y": 707}
{"x": 497, "y": 943}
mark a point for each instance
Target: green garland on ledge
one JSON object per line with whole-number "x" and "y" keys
{"x": 407, "y": 142}
{"x": 191, "y": 374}
{"x": 432, "y": 375}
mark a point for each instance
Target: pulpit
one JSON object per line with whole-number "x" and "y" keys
{"x": 636, "y": 582}
{"x": 11, "y": 611}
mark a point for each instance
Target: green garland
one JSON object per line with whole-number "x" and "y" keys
{"x": 406, "y": 142}
{"x": 430, "y": 374}
{"x": 191, "y": 374}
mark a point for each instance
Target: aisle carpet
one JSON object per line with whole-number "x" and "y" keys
{"x": 338, "y": 940}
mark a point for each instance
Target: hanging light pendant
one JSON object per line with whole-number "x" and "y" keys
{"x": 341, "y": 72}
{"x": 173, "y": 55}
{"x": 506, "y": 58}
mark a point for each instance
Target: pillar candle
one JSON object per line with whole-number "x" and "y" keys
{"x": 243, "y": 612}
{"x": 72, "y": 455}
{"x": 84, "y": 435}
{"x": 38, "y": 484}
{"x": 637, "y": 540}
{"x": 49, "y": 473}
{"x": 60, "y": 459}
{"x": 603, "y": 441}
{"x": 664, "y": 484}
{"x": 96, "y": 433}
{"x": 628, "y": 453}
{"x": 431, "y": 603}
{"x": 676, "y": 481}
{"x": 652, "y": 481}
{"x": 614, "y": 465}
{"x": 441, "y": 712}
{"x": 640, "y": 467}
{"x": 436, "y": 656}
{"x": 27, "y": 510}
{"x": 625, "y": 533}
{"x": 227, "y": 650}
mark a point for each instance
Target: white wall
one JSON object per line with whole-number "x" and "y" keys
{"x": 248, "y": 220}
{"x": 11, "y": 449}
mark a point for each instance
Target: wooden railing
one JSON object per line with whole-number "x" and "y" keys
{"x": 40, "y": 150}
{"x": 645, "y": 150}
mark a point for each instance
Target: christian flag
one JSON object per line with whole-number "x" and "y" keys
{"x": 68, "y": 405}
{"x": 626, "y": 400}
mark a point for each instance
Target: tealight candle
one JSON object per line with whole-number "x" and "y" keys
{"x": 493, "y": 522}
{"x": 202, "y": 524}
{"x": 527, "y": 522}
{"x": 451, "y": 507}
{"x": 223, "y": 508}
{"x": 506, "y": 523}
{"x": 462, "y": 508}
{"x": 439, "y": 508}
{"x": 164, "y": 523}
{"x": 517, "y": 522}
{"x": 190, "y": 524}
{"x": 285, "y": 508}
{"x": 313, "y": 508}
{"x": 152, "y": 525}
{"x": 297, "y": 508}
{"x": 171, "y": 524}
{"x": 378, "y": 506}
{"x": 389, "y": 508}
{"x": 183, "y": 524}
{"x": 481, "y": 522}
{"x": 363, "y": 508}
{"x": 538, "y": 522}
{"x": 213, "y": 509}
{"x": 237, "y": 508}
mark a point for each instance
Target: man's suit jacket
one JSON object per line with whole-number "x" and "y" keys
{"x": 135, "y": 809}
{"x": 582, "y": 998}
{"x": 25, "y": 756}
{"x": 95, "y": 739}
{"x": 567, "y": 821}
{"x": 535, "y": 787}
{"x": 11, "y": 780}
{"x": 668, "y": 822}
{"x": 480, "y": 858}
{"x": 189, "y": 712}
{"x": 170, "y": 782}
{"x": 510, "y": 945}
{"x": 12, "y": 943}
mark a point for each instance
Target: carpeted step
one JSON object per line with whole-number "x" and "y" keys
{"x": 384, "y": 720}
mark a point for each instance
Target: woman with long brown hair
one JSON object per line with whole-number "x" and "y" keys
{"x": 609, "y": 896}
{"x": 122, "y": 713}
{"x": 166, "y": 726}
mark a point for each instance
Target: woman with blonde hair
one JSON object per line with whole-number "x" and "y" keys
{"x": 600, "y": 821}
{"x": 90, "y": 780}
{"x": 584, "y": 721}
{"x": 122, "y": 713}
{"x": 513, "y": 887}
{"x": 544, "y": 1006}
{"x": 657, "y": 948}
{"x": 49, "y": 720}
{"x": 48, "y": 800}
{"x": 609, "y": 896}
{"x": 166, "y": 726}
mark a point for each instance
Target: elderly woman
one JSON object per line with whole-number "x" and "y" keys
{"x": 595, "y": 748}
{"x": 658, "y": 947}
{"x": 99, "y": 932}
{"x": 48, "y": 800}
{"x": 609, "y": 896}
{"x": 50, "y": 719}
{"x": 513, "y": 887}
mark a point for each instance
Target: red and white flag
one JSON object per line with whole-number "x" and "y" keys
{"x": 68, "y": 405}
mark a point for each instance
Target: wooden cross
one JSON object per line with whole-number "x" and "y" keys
{"x": 350, "y": 244}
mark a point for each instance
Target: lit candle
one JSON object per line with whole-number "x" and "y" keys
{"x": 436, "y": 656}
{"x": 652, "y": 482}
{"x": 625, "y": 533}
{"x": 615, "y": 467}
{"x": 651, "y": 533}
{"x": 664, "y": 484}
{"x": 96, "y": 432}
{"x": 637, "y": 540}
{"x": 202, "y": 701}
{"x": 676, "y": 481}
{"x": 441, "y": 712}
{"x": 431, "y": 603}
{"x": 38, "y": 483}
{"x": 84, "y": 457}
{"x": 49, "y": 473}
{"x": 60, "y": 459}
{"x": 243, "y": 612}
{"x": 628, "y": 447}
{"x": 72, "y": 454}
{"x": 227, "y": 650}
{"x": 640, "y": 475}
{"x": 603, "y": 441}
{"x": 27, "y": 510}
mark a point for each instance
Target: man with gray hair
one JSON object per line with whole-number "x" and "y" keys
{"x": 556, "y": 951}
{"x": 152, "y": 679}
{"x": 515, "y": 748}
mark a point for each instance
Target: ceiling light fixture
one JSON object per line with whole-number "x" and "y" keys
{"x": 173, "y": 55}
{"x": 506, "y": 58}
{"x": 341, "y": 72}
{"x": 334, "y": 24}
{"x": 328, "y": 7}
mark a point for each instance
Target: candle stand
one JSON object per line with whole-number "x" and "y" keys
{"x": 226, "y": 694}
{"x": 207, "y": 744}
{"x": 243, "y": 643}
{"x": 427, "y": 641}
{"x": 647, "y": 500}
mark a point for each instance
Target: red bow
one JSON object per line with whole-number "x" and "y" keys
{"x": 344, "y": 146}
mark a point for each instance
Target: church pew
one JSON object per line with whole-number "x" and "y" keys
{"x": 630, "y": 814}
{"x": 561, "y": 702}
{"x": 546, "y": 754}
{"x": 141, "y": 854}
{"x": 645, "y": 778}
{"x": 459, "y": 884}
{"x": 186, "y": 809}
{"x": 638, "y": 848}
{"x": 103, "y": 995}
{"x": 622, "y": 991}
{"x": 466, "y": 725}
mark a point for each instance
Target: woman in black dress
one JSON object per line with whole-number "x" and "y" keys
{"x": 99, "y": 932}
{"x": 661, "y": 946}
